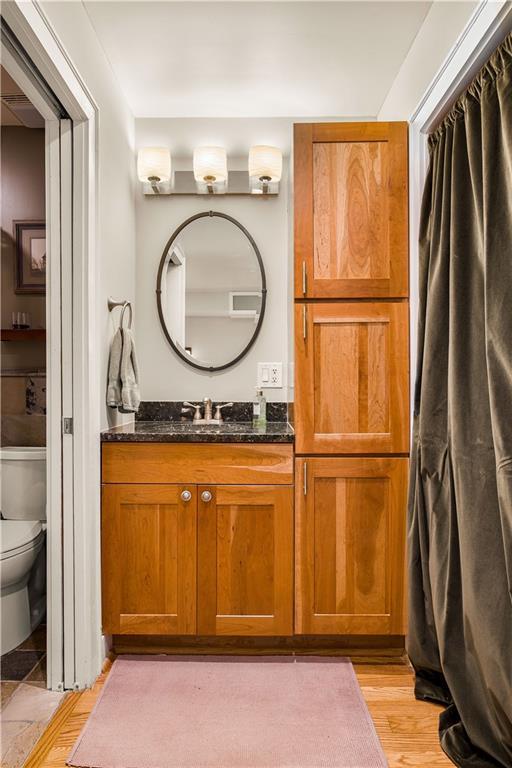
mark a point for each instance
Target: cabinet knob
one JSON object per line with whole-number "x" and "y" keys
{"x": 206, "y": 496}
{"x": 186, "y": 495}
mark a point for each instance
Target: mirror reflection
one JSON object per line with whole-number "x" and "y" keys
{"x": 211, "y": 299}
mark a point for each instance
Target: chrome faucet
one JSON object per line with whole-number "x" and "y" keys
{"x": 207, "y": 402}
{"x": 207, "y": 418}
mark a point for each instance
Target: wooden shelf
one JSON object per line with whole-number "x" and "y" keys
{"x": 24, "y": 334}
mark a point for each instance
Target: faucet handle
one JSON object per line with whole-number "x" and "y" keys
{"x": 218, "y": 409}
{"x": 196, "y": 407}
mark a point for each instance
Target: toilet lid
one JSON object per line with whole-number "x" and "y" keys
{"x": 18, "y": 533}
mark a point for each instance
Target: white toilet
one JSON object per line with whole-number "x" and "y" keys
{"x": 22, "y": 543}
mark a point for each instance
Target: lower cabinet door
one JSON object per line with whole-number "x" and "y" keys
{"x": 245, "y": 560}
{"x": 350, "y": 545}
{"x": 149, "y": 559}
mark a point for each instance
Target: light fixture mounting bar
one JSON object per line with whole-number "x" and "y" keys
{"x": 238, "y": 184}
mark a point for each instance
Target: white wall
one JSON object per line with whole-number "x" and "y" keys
{"x": 163, "y": 375}
{"x": 130, "y": 255}
{"x": 116, "y": 170}
{"x": 442, "y": 26}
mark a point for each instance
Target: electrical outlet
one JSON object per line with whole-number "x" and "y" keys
{"x": 270, "y": 375}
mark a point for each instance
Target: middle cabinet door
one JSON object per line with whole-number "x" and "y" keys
{"x": 351, "y": 391}
{"x": 245, "y": 560}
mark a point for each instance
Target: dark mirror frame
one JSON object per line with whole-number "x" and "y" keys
{"x": 163, "y": 263}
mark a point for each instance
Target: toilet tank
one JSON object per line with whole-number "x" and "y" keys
{"x": 23, "y": 483}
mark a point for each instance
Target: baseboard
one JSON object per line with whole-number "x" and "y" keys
{"x": 373, "y": 647}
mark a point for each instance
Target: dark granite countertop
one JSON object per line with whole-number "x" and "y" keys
{"x": 186, "y": 432}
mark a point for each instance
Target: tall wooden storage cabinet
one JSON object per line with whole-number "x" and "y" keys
{"x": 352, "y": 376}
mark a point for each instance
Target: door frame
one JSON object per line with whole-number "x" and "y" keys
{"x": 73, "y": 500}
{"x": 490, "y": 22}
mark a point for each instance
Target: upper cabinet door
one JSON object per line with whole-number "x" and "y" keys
{"x": 149, "y": 556}
{"x": 351, "y": 210}
{"x": 245, "y": 550}
{"x": 351, "y": 377}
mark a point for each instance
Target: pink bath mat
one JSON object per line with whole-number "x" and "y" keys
{"x": 229, "y": 712}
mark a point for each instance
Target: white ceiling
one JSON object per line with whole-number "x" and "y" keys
{"x": 255, "y": 59}
{"x": 15, "y": 108}
{"x": 8, "y": 88}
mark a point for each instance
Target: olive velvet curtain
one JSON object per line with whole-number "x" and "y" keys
{"x": 460, "y": 504}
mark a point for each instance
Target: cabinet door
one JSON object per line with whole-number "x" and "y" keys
{"x": 149, "y": 559}
{"x": 350, "y": 545}
{"x": 245, "y": 555}
{"x": 351, "y": 210}
{"x": 351, "y": 377}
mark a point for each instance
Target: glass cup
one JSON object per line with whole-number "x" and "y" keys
{"x": 20, "y": 320}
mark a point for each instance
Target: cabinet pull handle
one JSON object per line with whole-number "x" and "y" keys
{"x": 186, "y": 495}
{"x": 305, "y": 477}
{"x": 206, "y": 496}
{"x": 304, "y": 279}
{"x": 304, "y": 322}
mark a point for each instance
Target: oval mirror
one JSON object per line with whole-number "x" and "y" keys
{"x": 211, "y": 291}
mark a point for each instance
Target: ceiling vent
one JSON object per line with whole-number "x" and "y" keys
{"x": 23, "y": 109}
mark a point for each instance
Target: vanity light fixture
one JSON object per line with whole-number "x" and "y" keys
{"x": 154, "y": 167}
{"x": 210, "y": 167}
{"x": 265, "y": 167}
{"x": 210, "y": 173}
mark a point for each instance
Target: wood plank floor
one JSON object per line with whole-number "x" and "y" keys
{"x": 407, "y": 728}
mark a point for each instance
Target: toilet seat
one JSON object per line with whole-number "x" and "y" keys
{"x": 17, "y": 536}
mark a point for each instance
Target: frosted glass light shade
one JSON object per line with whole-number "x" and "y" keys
{"x": 210, "y": 164}
{"x": 265, "y": 163}
{"x": 154, "y": 164}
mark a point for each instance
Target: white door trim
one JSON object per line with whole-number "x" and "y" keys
{"x": 77, "y": 527}
{"x": 67, "y": 378}
{"x": 54, "y": 605}
{"x": 488, "y": 25}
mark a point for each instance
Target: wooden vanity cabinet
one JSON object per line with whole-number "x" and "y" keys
{"x": 207, "y": 556}
{"x": 350, "y": 545}
{"x": 350, "y": 201}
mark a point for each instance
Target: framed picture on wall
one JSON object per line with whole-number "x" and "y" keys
{"x": 30, "y": 256}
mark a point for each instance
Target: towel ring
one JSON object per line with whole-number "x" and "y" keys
{"x": 112, "y": 303}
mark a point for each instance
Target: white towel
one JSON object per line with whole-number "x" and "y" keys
{"x": 130, "y": 394}
{"x": 123, "y": 373}
{"x": 114, "y": 371}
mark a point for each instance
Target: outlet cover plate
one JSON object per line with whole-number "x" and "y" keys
{"x": 270, "y": 375}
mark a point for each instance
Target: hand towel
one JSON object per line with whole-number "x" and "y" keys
{"x": 130, "y": 394}
{"x": 114, "y": 371}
